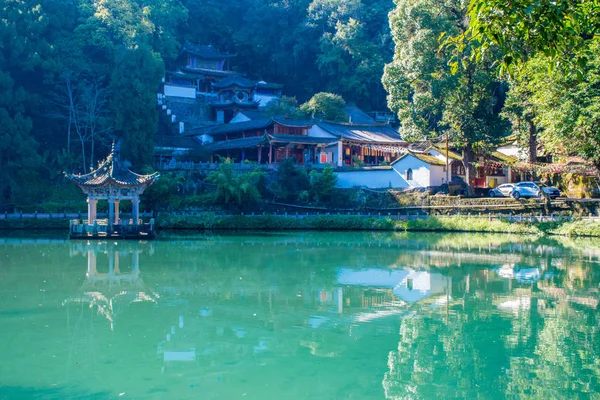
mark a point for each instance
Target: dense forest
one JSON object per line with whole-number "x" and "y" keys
{"x": 77, "y": 74}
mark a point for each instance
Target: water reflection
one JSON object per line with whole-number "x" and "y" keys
{"x": 111, "y": 291}
{"x": 303, "y": 316}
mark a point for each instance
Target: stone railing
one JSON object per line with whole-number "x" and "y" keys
{"x": 102, "y": 228}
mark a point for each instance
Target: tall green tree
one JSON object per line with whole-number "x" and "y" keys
{"x": 558, "y": 29}
{"x": 567, "y": 105}
{"x": 133, "y": 87}
{"x": 432, "y": 93}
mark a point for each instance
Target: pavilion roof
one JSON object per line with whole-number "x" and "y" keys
{"x": 111, "y": 171}
{"x": 204, "y": 51}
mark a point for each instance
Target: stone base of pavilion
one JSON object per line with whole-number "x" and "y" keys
{"x": 102, "y": 229}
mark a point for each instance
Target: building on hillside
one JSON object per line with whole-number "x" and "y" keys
{"x": 204, "y": 74}
{"x": 368, "y": 144}
{"x": 234, "y": 93}
{"x": 199, "y": 67}
{"x": 307, "y": 141}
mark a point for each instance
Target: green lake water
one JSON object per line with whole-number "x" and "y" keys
{"x": 300, "y": 316}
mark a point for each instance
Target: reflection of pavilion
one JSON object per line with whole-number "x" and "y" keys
{"x": 111, "y": 291}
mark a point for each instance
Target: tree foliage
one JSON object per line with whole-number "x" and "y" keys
{"x": 327, "y": 106}
{"x": 432, "y": 93}
{"x": 557, "y": 29}
{"x": 234, "y": 188}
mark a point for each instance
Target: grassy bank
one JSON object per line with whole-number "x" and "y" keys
{"x": 34, "y": 224}
{"x": 345, "y": 222}
{"x": 210, "y": 221}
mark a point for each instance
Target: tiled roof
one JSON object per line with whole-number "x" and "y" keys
{"x": 357, "y": 115}
{"x": 233, "y": 128}
{"x": 431, "y": 160}
{"x": 451, "y": 153}
{"x": 242, "y": 143}
{"x": 296, "y": 123}
{"x": 235, "y": 80}
{"x": 503, "y": 157}
{"x": 181, "y": 142}
{"x": 204, "y": 51}
{"x": 212, "y": 72}
{"x": 300, "y": 139}
{"x": 362, "y": 133}
{"x": 111, "y": 171}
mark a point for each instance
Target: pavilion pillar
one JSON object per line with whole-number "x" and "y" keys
{"x": 135, "y": 262}
{"x": 117, "y": 270}
{"x": 259, "y": 153}
{"x": 111, "y": 211}
{"x": 91, "y": 271}
{"x": 340, "y": 154}
{"x": 92, "y": 204}
{"x": 116, "y": 220}
{"x": 135, "y": 210}
{"x": 111, "y": 263}
{"x": 270, "y": 153}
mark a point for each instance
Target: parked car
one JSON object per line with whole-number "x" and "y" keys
{"x": 525, "y": 189}
{"x": 552, "y": 192}
{"x": 503, "y": 190}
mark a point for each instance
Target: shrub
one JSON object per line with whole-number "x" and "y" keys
{"x": 290, "y": 181}
{"x": 322, "y": 184}
{"x": 237, "y": 188}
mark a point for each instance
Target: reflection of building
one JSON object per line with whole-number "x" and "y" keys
{"x": 418, "y": 285}
{"x": 117, "y": 284}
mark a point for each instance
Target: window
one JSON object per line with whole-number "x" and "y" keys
{"x": 409, "y": 174}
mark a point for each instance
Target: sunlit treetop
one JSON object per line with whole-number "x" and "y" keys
{"x": 559, "y": 29}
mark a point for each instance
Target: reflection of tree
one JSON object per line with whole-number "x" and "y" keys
{"x": 462, "y": 358}
{"x": 565, "y": 362}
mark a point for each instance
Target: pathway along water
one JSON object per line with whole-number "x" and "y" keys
{"x": 300, "y": 316}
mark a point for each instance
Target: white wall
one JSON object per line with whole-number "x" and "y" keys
{"x": 421, "y": 171}
{"x": 514, "y": 151}
{"x": 180, "y": 91}
{"x": 239, "y": 117}
{"x": 372, "y": 179}
{"x": 438, "y": 175}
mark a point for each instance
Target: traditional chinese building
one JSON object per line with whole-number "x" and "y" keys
{"x": 204, "y": 72}
{"x": 112, "y": 182}
{"x": 201, "y": 66}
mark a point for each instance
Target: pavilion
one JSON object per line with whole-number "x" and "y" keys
{"x": 112, "y": 182}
